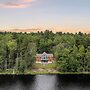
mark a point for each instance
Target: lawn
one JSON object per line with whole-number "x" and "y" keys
{"x": 44, "y": 66}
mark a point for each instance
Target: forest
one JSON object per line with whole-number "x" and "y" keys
{"x": 71, "y": 51}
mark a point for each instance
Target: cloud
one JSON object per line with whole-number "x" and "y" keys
{"x": 13, "y": 5}
{"x": 26, "y": 1}
{"x": 24, "y": 30}
{"x": 16, "y": 4}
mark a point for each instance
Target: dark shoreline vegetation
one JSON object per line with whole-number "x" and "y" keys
{"x": 18, "y": 50}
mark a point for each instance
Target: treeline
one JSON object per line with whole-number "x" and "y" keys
{"x": 71, "y": 51}
{"x": 17, "y": 51}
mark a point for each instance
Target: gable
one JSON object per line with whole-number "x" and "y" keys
{"x": 51, "y": 55}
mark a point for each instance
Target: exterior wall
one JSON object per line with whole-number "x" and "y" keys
{"x": 49, "y": 58}
{"x": 38, "y": 59}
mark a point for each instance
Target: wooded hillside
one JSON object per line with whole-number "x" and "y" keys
{"x": 18, "y": 50}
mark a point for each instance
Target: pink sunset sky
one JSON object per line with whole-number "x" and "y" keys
{"x": 39, "y": 15}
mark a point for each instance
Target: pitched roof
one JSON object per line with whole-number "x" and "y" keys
{"x": 44, "y": 54}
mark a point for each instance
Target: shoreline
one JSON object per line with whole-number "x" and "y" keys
{"x": 48, "y": 73}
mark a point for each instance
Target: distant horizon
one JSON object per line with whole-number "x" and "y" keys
{"x": 29, "y": 30}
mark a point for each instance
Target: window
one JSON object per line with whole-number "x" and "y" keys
{"x": 44, "y": 57}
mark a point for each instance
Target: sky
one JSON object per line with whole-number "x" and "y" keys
{"x": 55, "y": 15}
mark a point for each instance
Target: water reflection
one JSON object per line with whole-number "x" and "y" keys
{"x": 16, "y": 82}
{"x": 45, "y": 82}
{"x": 73, "y": 82}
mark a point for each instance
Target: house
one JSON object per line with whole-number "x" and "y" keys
{"x": 44, "y": 58}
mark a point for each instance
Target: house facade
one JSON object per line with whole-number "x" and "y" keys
{"x": 44, "y": 58}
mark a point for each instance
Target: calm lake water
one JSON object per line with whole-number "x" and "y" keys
{"x": 45, "y": 82}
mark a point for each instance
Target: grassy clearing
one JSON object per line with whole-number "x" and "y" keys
{"x": 44, "y": 66}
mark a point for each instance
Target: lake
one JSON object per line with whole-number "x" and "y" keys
{"x": 45, "y": 82}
